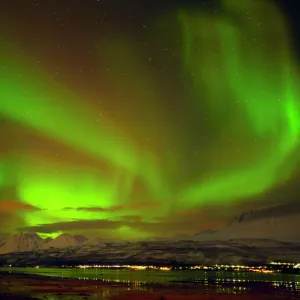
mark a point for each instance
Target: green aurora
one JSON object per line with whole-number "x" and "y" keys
{"x": 261, "y": 85}
{"x": 248, "y": 88}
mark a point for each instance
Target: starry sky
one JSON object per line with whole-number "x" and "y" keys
{"x": 130, "y": 119}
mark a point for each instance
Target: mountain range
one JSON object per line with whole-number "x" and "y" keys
{"x": 25, "y": 242}
{"x": 260, "y": 235}
{"x": 277, "y": 222}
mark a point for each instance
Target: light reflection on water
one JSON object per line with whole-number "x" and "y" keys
{"x": 219, "y": 282}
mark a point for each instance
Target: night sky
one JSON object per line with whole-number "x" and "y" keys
{"x": 139, "y": 119}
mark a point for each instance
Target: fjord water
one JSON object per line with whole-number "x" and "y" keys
{"x": 289, "y": 281}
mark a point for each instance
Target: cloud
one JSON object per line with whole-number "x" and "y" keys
{"x": 73, "y": 225}
{"x": 9, "y": 220}
{"x": 143, "y": 205}
{"x": 15, "y": 206}
{"x": 132, "y": 218}
{"x": 96, "y": 208}
{"x": 161, "y": 229}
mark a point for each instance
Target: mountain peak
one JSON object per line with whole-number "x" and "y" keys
{"x": 21, "y": 242}
{"x": 81, "y": 239}
{"x": 24, "y": 242}
{"x": 64, "y": 235}
{"x": 62, "y": 241}
{"x": 27, "y": 234}
{"x": 275, "y": 222}
{"x": 270, "y": 211}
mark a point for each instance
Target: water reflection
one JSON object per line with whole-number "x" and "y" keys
{"x": 215, "y": 281}
{"x": 219, "y": 285}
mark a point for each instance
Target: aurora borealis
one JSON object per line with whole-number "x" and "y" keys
{"x": 138, "y": 121}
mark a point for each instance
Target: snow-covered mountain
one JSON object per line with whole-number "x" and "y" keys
{"x": 94, "y": 241}
{"x": 161, "y": 252}
{"x": 2, "y": 240}
{"x": 66, "y": 250}
{"x": 24, "y": 242}
{"x": 64, "y": 240}
{"x": 277, "y": 222}
{"x": 261, "y": 235}
{"x": 81, "y": 239}
{"x": 21, "y": 242}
